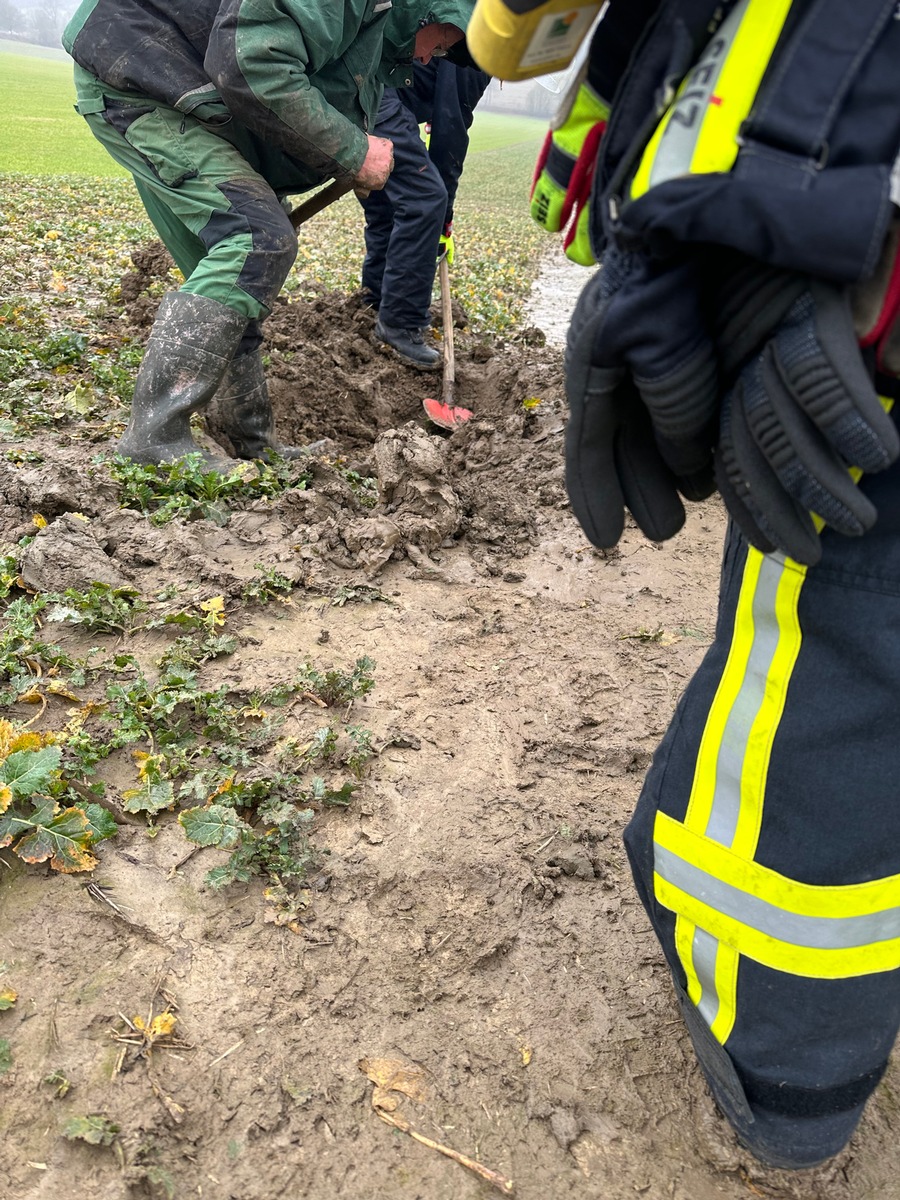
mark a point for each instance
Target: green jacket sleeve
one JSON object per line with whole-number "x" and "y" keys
{"x": 301, "y": 75}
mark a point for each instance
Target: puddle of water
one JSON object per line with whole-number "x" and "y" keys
{"x": 554, "y": 293}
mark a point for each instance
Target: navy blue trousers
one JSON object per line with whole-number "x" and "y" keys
{"x": 404, "y": 223}
{"x": 766, "y": 843}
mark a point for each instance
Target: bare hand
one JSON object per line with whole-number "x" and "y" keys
{"x": 378, "y": 164}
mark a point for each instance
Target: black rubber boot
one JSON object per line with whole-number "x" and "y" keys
{"x": 409, "y": 344}
{"x": 242, "y": 411}
{"x": 191, "y": 344}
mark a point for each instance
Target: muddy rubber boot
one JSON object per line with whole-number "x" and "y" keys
{"x": 243, "y": 412}
{"x": 191, "y": 344}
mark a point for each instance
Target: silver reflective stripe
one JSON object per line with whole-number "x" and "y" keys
{"x": 382, "y": 6}
{"x": 726, "y": 805}
{"x": 704, "y": 949}
{"x": 815, "y": 933}
{"x": 679, "y": 138}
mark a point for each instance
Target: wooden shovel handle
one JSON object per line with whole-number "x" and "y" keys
{"x": 315, "y": 204}
{"x": 447, "y": 319}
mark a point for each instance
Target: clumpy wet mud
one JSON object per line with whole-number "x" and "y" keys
{"x": 474, "y": 920}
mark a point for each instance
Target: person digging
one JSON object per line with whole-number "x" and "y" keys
{"x": 219, "y": 114}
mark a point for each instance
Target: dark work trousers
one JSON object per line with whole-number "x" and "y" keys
{"x": 766, "y": 842}
{"x": 404, "y": 222}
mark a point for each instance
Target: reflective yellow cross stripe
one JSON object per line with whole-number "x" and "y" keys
{"x": 804, "y": 929}
{"x": 725, "y": 903}
{"x": 699, "y": 133}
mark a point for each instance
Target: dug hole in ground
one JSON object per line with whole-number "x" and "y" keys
{"x": 470, "y": 962}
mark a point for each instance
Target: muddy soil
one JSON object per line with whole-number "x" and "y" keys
{"x": 476, "y": 921}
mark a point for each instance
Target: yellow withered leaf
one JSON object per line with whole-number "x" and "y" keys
{"x": 6, "y": 797}
{"x": 162, "y": 1025}
{"x": 215, "y": 607}
{"x": 39, "y": 521}
{"x": 7, "y": 998}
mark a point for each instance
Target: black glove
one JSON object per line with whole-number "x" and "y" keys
{"x": 800, "y": 410}
{"x": 643, "y": 397}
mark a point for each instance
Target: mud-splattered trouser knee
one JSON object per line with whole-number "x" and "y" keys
{"x": 220, "y": 220}
{"x": 766, "y": 843}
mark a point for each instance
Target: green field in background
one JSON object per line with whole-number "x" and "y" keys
{"x": 40, "y": 131}
{"x": 41, "y": 134}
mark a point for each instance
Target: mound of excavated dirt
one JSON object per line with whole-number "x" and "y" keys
{"x": 473, "y": 936}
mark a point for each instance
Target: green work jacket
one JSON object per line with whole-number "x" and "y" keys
{"x": 304, "y": 78}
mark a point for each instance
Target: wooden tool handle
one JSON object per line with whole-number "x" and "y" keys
{"x": 315, "y": 204}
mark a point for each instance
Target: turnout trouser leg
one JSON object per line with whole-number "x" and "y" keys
{"x": 766, "y": 842}
{"x": 232, "y": 240}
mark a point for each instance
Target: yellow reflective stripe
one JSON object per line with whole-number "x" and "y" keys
{"x": 714, "y": 100}
{"x": 684, "y": 940}
{"x": 815, "y": 962}
{"x": 705, "y": 775}
{"x": 729, "y": 780}
{"x": 768, "y": 718}
{"x": 739, "y": 80}
{"x": 833, "y": 903}
{"x": 727, "y": 960}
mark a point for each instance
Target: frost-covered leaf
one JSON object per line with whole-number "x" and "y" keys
{"x": 215, "y": 825}
{"x": 29, "y": 771}
{"x": 94, "y": 1128}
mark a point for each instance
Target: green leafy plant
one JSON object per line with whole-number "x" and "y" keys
{"x": 336, "y": 687}
{"x": 269, "y": 585}
{"x": 96, "y": 1129}
{"x": 22, "y": 648}
{"x": 187, "y": 489}
{"x": 101, "y": 609}
{"x": 58, "y": 1081}
{"x": 32, "y": 824}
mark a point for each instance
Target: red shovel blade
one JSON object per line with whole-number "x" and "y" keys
{"x": 445, "y": 415}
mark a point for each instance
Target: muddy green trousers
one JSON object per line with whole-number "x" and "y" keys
{"x": 219, "y": 219}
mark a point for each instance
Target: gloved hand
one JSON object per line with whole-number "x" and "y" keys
{"x": 564, "y": 172}
{"x": 642, "y": 387}
{"x": 800, "y": 410}
{"x": 446, "y": 247}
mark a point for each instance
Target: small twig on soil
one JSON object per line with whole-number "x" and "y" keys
{"x": 175, "y": 1110}
{"x": 544, "y": 845}
{"x": 54, "y": 1045}
{"x": 230, "y": 1050}
{"x": 184, "y": 858}
{"x": 494, "y": 1178}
